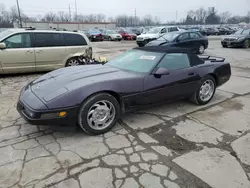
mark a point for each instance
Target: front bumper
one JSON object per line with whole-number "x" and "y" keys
{"x": 233, "y": 44}
{"x": 48, "y": 117}
{"x": 33, "y": 110}
{"x": 141, "y": 43}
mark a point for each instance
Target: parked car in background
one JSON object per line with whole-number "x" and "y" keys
{"x": 95, "y": 96}
{"x": 127, "y": 35}
{"x": 154, "y": 34}
{"x": 94, "y": 35}
{"x": 111, "y": 35}
{"x": 209, "y": 31}
{"x": 241, "y": 38}
{"x": 136, "y": 31}
{"x": 41, "y": 50}
{"x": 183, "y": 39}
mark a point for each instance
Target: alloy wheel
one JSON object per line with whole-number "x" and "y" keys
{"x": 207, "y": 90}
{"x": 101, "y": 115}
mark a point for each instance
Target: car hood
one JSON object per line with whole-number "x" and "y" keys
{"x": 235, "y": 36}
{"x": 61, "y": 81}
{"x": 157, "y": 42}
{"x": 149, "y": 36}
{"x": 114, "y": 35}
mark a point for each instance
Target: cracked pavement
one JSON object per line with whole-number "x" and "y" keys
{"x": 176, "y": 145}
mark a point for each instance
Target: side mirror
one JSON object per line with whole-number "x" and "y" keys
{"x": 161, "y": 71}
{"x": 2, "y": 46}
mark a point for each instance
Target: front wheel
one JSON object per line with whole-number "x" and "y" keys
{"x": 98, "y": 114}
{"x": 246, "y": 44}
{"x": 205, "y": 91}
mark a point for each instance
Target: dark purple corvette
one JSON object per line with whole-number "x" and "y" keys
{"x": 94, "y": 96}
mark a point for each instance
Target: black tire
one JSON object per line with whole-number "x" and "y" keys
{"x": 69, "y": 62}
{"x": 83, "y": 113}
{"x": 195, "y": 98}
{"x": 141, "y": 45}
{"x": 246, "y": 44}
{"x": 199, "y": 51}
{"x": 224, "y": 46}
{"x": 120, "y": 40}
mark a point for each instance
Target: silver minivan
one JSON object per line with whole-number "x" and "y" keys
{"x": 24, "y": 50}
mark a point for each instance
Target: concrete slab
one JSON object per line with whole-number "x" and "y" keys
{"x": 231, "y": 117}
{"x": 197, "y": 132}
{"x": 237, "y": 85}
{"x": 215, "y": 167}
{"x": 242, "y": 147}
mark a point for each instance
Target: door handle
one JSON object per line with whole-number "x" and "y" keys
{"x": 191, "y": 74}
{"x": 39, "y": 51}
{"x": 29, "y": 51}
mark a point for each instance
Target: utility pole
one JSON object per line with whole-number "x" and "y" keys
{"x": 135, "y": 18}
{"x": 76, "y": 10}
{"x": 19, "y": 14}
{"x": 69, "y": 13}
{"x": 176, "y": 17}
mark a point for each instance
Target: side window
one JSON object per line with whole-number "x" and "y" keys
{"x": 194, "y": 36}
{"x": 47, "y": 39}
{"x": 164, "y": 30}
{"x": 183, "y": 37}
{"x": 173, "y": 61}
{"x": 74, "y": 40}
{"x": 173, "y": 29}
{"x": 245, "y": 32}
{"x": 22, "y": 40}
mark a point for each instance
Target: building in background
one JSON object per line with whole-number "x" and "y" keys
{"x": 69, "y": 26}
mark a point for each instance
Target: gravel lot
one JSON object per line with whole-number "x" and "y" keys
{"x": 174, "y": 145}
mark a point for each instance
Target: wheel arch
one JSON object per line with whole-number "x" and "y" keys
{"x": 215, "y": 78}
{"x": 116, "y": 95}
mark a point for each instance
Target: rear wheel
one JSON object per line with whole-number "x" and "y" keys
{"x": 246, "y": 44}
{"x": 205, "y": 91}
{"x": 98, "y": 114}
{"x": 73, "y": 62}
{"x": 201, "y": 49}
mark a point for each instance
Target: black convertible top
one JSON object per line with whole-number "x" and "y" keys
{"x": 165, "y": 49}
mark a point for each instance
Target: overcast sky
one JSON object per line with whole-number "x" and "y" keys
{"x": 164, "y": 9}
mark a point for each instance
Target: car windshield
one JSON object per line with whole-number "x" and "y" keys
{"x": 111, "y": 32}
{"x": 137, "y": 61}
{"x": 94, "y": 31}
{"x": 239, "y": 31}
{"x": 154, "y": 30}
{"x": 169, "y": 36}
{"x": 5, "y": 33}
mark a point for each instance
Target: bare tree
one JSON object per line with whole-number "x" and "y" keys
{"x": 100, "y": 18}
{"x": 148, "y": 20}
{"x": 50, "y": 17}
{"x": 201, "y": 15}
{"x": 224, "y": 16}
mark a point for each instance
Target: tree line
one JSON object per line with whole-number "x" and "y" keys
{"x": 194, "y": 17}
{"x": 212, "y": 16}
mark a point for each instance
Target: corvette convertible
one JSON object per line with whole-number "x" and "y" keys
{"x": 95, "y": 96}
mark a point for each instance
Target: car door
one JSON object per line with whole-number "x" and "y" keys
{"x": 195, "y": 41}
{"x": 18, "y": 57}
{"x": 50, "y": 51}
{"x": 181, "y": 80}
{"x": 163, "y": 31}
{"x": 183, "y": 41}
